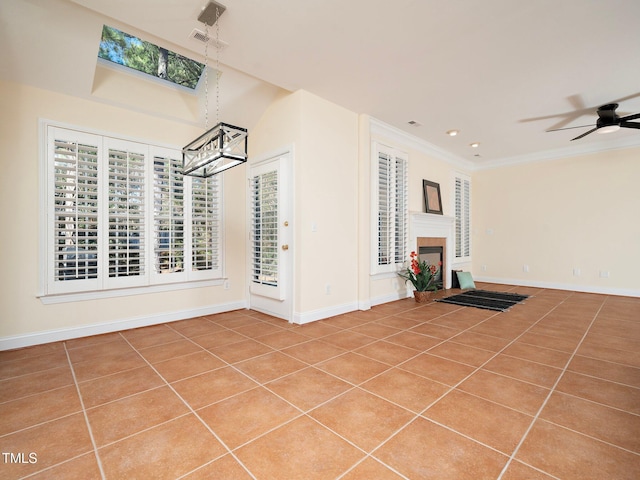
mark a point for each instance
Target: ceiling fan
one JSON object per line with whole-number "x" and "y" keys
{"x": 608, "y": 121}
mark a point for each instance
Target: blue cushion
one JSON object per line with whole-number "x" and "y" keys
{"x": 466, "y": 281}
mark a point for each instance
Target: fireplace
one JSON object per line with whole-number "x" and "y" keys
{"x": 434, "y": 231}
{"x": 433, "y": 256}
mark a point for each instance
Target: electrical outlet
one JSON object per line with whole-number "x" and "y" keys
{"x": 525, "y": 268}
{"x": 227, "y": 285}
{"x": 327, "y": 289}
{"x": 604, "y": 274}
{"x": 576, "y": 272}
{"x": 483, "y": 268}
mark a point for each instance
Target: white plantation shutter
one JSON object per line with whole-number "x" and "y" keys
{"x": 401, "y": 201}
{"x": 264, "y": 228}
{"x": 385, "y": 210}
{"x": 463, "y": 217}
{"x": 73, "y": 205}
{"x": 205, "y": 224}
{"x": 120, "y": 214}
{"x": 168, "y": 215}
{"x": 391, "y": 209}
{"x": 126, "y": 224}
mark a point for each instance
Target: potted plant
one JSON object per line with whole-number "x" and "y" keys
{"x": 422, "y": 276}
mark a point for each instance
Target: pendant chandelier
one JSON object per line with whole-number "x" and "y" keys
{"x": 224, "y": 146}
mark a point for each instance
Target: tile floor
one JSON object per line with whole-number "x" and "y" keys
{"x": 548, "y": 390}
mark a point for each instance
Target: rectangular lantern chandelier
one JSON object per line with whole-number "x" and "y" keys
{"x": 225, "y": 145}
{"x": 217, "y": 150}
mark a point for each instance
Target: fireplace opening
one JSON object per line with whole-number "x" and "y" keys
{"x": 433, "y": 256}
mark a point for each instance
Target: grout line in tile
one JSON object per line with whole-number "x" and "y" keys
{"x": 124, "y": 397}
{"x": 375, "y": 459}
{"x": 24, "y": 429}
{"x": 460, "y": 382}
{"x": 190, "y": 408}
{"x": 39, "y": 393}
{"x": 553, "y": 389}
{"x": 145, "y": 429}
{"x": 84, "y": 412}
{"x": 107, "y": 375}
{"x": 600, "y": 404}
{"x": 602, "y": 378}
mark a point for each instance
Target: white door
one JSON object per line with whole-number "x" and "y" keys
{"x": 270, "y": 237}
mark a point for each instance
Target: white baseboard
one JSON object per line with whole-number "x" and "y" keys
{"x": 30, "y": 339}
{"x": 390, "y": 297}
{"x": 364, "y": 305}
{"x": 322, "y": 313}
{"x": 625, "y": 292}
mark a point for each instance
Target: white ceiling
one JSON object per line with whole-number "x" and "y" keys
{"x": 500, "y": 71}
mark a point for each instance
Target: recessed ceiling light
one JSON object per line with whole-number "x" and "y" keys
{"x": 452, "y": 133}
{"x": 475, "y": 145}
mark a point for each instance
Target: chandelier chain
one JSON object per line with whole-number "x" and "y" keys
{"x": 217, "y": 65}
{"x": 206, "y": 78}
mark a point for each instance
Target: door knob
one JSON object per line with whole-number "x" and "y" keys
{"x": 285, "y": 247}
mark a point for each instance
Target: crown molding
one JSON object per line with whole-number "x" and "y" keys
{"x": 573, "y": 151}
{"x": 378, "y": 127}
{"x": 381, "y": 128}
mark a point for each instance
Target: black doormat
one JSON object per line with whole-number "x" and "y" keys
{"x": 488, "y": 300}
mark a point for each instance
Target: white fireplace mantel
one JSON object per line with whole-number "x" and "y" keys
{"x": 428, "y": 225}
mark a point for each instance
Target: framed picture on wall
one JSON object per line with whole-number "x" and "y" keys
{"x": 432, "y": 200}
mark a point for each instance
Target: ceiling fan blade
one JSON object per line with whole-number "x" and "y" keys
{"x": 584, "y": 134}
{"x": 568, "y": 128}
{"x": 631, "y": 117}
{"x": 630, "y": 124}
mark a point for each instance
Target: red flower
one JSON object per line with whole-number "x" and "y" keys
{"x": 415, "y": 266}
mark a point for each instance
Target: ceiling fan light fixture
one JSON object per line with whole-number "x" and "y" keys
{"x": 609, "y": 129}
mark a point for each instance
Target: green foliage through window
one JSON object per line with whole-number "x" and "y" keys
{"x": 130, "y": 51}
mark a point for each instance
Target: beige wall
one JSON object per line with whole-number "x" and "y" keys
{"x": 21, "y": 313}
{"x": 327, "y": 196}
{"x": 554, "y": 216}
{"x": 324, "y": 138}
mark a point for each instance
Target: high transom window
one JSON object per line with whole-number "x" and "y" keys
{"x": 129, "y": 51}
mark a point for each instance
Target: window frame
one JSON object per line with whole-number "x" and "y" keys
{"x": 55, "y": 291}
{"x": 400, "y": 247}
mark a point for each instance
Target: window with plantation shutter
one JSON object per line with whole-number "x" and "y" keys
{"x": 462, "y": 217}
{"x": 390, "y": 197}
{"x": 73, "y": 203}
{"x": 119, "y": 214}
{"x": 205, "y": 224}
{"x": 264, "y": 228}
{"x": 168, "y": 215}
{"x": 126, "y": 211}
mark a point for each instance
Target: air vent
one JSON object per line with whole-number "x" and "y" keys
{"x": 201, "y": 36}
{"x": 413, "y": 123}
